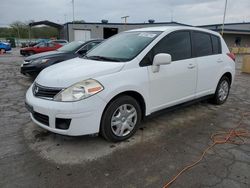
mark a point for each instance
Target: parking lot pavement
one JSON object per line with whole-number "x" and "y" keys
{"x": 32, "y": 157}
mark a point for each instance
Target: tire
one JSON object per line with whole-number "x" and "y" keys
{"x": 222, "y": 91}
{"x": 120, "y": 119}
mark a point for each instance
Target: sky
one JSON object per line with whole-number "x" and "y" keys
{"x": 193, "y": 12}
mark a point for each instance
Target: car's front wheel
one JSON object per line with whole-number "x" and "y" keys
{"x": 222, "y": 91}
{"x": 121, "y": 119}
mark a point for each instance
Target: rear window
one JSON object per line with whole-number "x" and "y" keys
{"x": 216, "y": 44}
{"x": 203, "y": 44}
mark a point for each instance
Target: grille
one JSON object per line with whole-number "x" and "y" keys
{"x": 41, "y": 118}
{"x": 45, "y": 92}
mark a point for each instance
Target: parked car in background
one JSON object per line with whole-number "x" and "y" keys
{"x": 39, "y": 48}
{"x": 4, "y": 47}
{"x": 34, "y": 64}
{"x": 33, "y": 43}
{"x": 60, "y": 41}
{"x": 131, "y": 75}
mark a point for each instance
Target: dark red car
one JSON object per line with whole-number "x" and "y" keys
{"x": 39, "y": 48}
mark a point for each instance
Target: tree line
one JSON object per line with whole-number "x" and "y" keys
{"x": 20, "y": 29}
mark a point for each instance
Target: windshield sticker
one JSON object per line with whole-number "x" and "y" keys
{"x": 149, "y": 35}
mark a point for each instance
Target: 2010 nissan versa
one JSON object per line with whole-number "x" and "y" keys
{"x": 128, "y": 77}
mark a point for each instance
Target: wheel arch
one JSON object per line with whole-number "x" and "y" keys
{"x": 228, "y": 75}
{"x": 134, "y": 94}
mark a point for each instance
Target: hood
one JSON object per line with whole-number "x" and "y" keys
{"x": 6, "y": 43}
{"x": 44, "y": 55}
{"x": 69, "y": 72}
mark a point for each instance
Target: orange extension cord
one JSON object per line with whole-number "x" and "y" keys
{"x": 228, "y": 137}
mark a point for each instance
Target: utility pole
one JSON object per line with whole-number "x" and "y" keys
{"x": 29, "y": 33}
{"x": 125, "y": 19}
{"x": 73, "y": 10}
{"x": 224, "y": 17}
{"x": 172, "y": 14}
{"x": 65, "y": 18}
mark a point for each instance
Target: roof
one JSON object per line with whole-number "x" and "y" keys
{"x": 146, "y": 23}
{"x": 220, "y": 24}
{"x": 173, "y": 28}
{"x": 234, "y": 28}
{"x": 46, "y": 22}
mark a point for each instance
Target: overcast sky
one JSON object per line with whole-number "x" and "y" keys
{"x": 195, "y": 12}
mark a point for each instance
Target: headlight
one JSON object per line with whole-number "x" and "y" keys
{"x": 41, "y": 61}
{"x": 79, "y": 91}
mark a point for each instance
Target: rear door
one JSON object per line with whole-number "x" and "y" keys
{"x": 207, "y": 50}
{"x": 175, "y": 82}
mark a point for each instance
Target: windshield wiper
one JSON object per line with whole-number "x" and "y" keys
{"x": 102, "y": 58}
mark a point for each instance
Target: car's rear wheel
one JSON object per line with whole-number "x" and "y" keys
{"x": 120, "y": 119}
{"x": 222, "y": 91}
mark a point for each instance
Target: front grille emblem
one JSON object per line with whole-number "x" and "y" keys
{"x": 44, "y": 92}
{"x": 36, "y": 90}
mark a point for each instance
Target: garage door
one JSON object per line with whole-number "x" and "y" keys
{"x": 81, "y": 35}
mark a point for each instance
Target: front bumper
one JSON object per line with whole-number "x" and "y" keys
{"x": 8, "y": 48}
{"x": 28, "y": 69}
{"x": 85, "y": 115}
{"x": 23, "y": 52}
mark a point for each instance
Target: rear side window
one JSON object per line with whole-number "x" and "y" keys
{"x": 203, "y": 44}
{"x": 216, "y": 44}
{"x": 177, "y": 44}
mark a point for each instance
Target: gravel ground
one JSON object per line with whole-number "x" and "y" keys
{"x": 33, "y": 157}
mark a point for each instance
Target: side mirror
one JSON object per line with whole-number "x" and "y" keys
{"x": 160, "y": 59}
{"x": 82, "y": 52}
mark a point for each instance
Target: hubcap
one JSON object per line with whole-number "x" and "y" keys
{"x": 123, "y": 120}
{"x": 223, "y": 90}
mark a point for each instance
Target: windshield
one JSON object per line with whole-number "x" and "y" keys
{"x": 72, "y": 46}
{"x": 41, "y": 44}
{"x": 122, "y": 47}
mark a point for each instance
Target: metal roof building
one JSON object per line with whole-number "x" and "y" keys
{"x": 235, "y": 34}
{"x": 87, "y": 30}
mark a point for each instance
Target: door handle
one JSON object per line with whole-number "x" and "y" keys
{"x": 219, "y": 61}
{"x": 191, "y": 66}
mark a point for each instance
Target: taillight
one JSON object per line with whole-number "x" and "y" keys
{"x": 232, "y": 56}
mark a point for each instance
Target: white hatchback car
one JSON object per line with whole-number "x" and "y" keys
{"x": 128, "y": 77}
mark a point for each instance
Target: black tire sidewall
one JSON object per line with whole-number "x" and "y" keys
{"x": 106, "y": 130}
{"x": 216, "y": 96}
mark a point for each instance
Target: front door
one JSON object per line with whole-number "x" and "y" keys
{"x": 176, "y": 82}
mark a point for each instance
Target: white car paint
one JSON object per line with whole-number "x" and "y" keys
{"x": 175, "y": 83}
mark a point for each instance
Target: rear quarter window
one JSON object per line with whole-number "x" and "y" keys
{"x": 216, "y": 44}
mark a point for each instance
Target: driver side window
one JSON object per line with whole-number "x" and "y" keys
{"x": 177, "y": 44}
{"x": 42, "y": 44}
